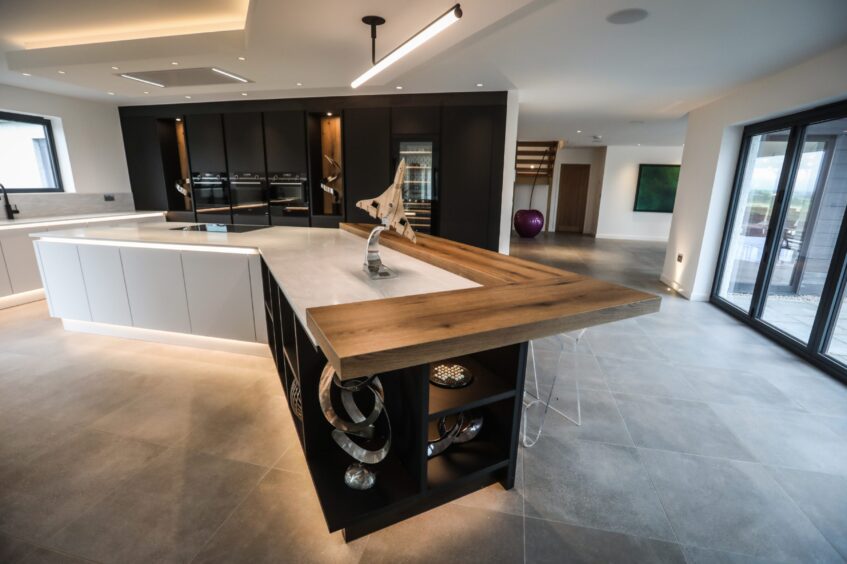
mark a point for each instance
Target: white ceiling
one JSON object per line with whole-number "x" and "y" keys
{"x": 629, "y": 84}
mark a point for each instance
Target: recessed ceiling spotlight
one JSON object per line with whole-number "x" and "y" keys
{"x": 174, "y": 63}
{"x": 147, "y": 92}
{"x": 115, "y": 68}
{"x": 26, "y": 74}
{"x": 110, "y": 93}
{"x": 188, "y": 97}
{"x": 61, "y": 72}
{"x": 579, "y": 131}
{"x": 479, "y": 85}
{"x": 299, "y": 84}
{"x": 628, "y": 16}
{"x": 244, "y": 93}
{"x": 638, "y": 144}
{"x": 179, "y": 119}
{"x": 398, "y": 87}
{"x": 329, "y": 114}
{"x": 242, "y": 58}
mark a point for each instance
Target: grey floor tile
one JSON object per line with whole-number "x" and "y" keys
{"x": 256, "y": 429}
{"x": 55, "y": 487}
{"x": 601, "y": 420}
{"x": 815, "y": 392}
{"x": 440, "y": 535}
{"x": 13, "y": 550}
{"x": 570, "y": 366}
{"x": 552, "y": 542}
{"x": 786, "y": 438}
{"x": 823, "y": 498}
{"x": 734, "y": 387}
{"x": 634, "y": 347}
{"x": 656, "y": 378}
{"x": 679, "y": 425}
{"x": 733, "y": 506}
{"x": 592, "y": 484}
{"x": 696, "y": 555}
{"x": 45, "y": 556}
{"x": 280, "y": 520}
{"x": 165, "y": 513}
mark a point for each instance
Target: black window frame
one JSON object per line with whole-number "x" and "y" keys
{"x": 51, "y": 142}
{"x": 836, "y": 279}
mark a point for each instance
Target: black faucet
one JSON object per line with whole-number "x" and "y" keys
{"x": 10, "y": 210}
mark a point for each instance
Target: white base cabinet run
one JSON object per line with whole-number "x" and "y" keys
{"x": 194, "y": 292}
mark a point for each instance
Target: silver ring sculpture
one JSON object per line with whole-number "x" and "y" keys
{"x": 357, "y": 476}
{"x": 465, "y": 429}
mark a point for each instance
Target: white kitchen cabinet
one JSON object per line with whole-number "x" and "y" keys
{"x": 104, "y": 284}
{"x": 220, "y": 301}
{"x": 63, "y": 279}
{"x": 156, "y": 289}
{"x": 20, "y": 259}
{"x": 5, "y": 283}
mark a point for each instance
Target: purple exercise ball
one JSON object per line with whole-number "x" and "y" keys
{"x": 528, "y": 223}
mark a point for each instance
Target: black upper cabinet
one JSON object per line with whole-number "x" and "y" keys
{"x": 205, "y": 139}
{"x": 285, "y": 141}
{"x": 244, "y": 144}
{"x": 415, "y": 120}
{"x": 471, "y": 174}
{"x": 367, "y": 158}
{"x": 144, "y": 162}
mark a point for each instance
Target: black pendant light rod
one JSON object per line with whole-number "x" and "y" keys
{"x": 373, "y": 21}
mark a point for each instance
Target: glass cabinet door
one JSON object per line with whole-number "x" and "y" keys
{"x": 418, "y": 183}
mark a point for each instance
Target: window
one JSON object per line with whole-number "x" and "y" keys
{"x": 28, "y": 154}
{"x": 783, "y": 261}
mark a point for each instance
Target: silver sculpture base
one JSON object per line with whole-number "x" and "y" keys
{"x": 373, "y": 266}
{"x": 358, "y": 477}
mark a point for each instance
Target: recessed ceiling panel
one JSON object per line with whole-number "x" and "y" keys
{"x": 187, "y": 77}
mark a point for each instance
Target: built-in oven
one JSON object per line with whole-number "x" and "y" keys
{"x": 249, "y": 198}
{"x": 210, "y": 192}
{"x": 289, "y": 198}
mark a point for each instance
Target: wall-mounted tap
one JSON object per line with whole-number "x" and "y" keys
{"x": 10, "y": 209}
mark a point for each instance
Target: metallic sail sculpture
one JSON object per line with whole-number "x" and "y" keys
{"x": 388, "y": 208}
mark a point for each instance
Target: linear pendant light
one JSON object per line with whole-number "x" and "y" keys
{"x": 443, "y": 22}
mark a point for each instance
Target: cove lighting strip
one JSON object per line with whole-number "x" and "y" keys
{"x": 230, "y": 75}
{"x": 443, "y": 22}
{"x": 144, "y": 245}
{"x": 150, "y": 82}
{"x": 50, "y": 223}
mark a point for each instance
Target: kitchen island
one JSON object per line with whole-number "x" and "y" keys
{"x": 303, "y": 292}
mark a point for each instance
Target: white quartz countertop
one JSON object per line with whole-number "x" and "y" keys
{"x": 313, "y": 266}
{"x": 29, "y": 221}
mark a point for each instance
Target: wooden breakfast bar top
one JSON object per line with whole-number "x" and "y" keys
{"x": 517, "y": 300}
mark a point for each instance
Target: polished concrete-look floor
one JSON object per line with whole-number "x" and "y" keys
{"x": 700, "y": 442}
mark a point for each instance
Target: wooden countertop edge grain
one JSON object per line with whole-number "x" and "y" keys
{"x": 534, "y": 301}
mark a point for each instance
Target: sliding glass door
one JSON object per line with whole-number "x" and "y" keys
{"x": 782, "y": 264}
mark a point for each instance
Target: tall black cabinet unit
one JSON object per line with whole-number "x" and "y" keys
{"x": 204, "y": 135}
{"x": 270, "y": 140}
{"x": 471, "y": 174}
{"x": 245, "y": 152}
{"x": 367, "y": 145}
{"x": 287, "y": 165}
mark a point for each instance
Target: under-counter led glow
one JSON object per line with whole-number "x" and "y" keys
{"x": 145, "y": 245}
{"x": 430, "y": 31}
{"x": 50, "y": 223}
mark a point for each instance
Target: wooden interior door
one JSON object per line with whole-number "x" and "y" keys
{"x": 573, "y": 195}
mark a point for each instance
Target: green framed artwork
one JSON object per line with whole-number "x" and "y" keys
{"x": 656, "y": 190}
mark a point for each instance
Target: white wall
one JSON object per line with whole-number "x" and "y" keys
{"x": 711, "y": 151}
{"x": 616, "y": 219}
{"x": 88, "y": 138}
{"x": 593, "y": 156}
{"x": 509, "y": 153}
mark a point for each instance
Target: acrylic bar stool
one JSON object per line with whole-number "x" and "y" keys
{"x": 568, "y": 341}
